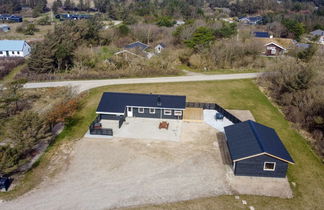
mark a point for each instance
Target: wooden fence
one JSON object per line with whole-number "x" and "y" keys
{"x": 216, "y": 107}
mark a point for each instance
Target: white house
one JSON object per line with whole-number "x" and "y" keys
{"x": 179, "y": 22}
{"x": 14, "y": 48}
{"x": 320, "y": 34}
{"x": 158, "y": 48}
{"x": 4, "y": 28}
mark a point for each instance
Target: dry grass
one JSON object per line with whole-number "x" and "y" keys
{"x": 12, "y": 34}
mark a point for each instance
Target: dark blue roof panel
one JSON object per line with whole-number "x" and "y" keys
{"x": 137, "y": 44}
{"x": 261, "y": 34}
{"x": 250, "y": 138}
{"x": 112, "y": 102}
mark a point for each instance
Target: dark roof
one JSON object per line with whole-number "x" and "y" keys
{"x": 254, "y": 19}
{"x": 4, "y": 183}
{"x": 261, "y": 34}
{"x": 162, "y": 45}
{"x": 117, "y": 102}
{"x": 302, "y": 45}
{"x": 137, "y": 44}
{"x": 317, "y": 32}
{"x": 250, "y": 138}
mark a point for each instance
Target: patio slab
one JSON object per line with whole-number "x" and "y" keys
{"x": 146, "y": 128}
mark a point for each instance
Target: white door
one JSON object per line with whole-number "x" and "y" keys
{"x": 129, "y": 112}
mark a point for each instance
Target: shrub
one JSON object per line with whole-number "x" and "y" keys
{"x": 8, "y": 64}
{"x": 165, "y": 21}
{"x": 202, "y": 37}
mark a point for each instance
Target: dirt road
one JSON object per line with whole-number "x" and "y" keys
{"x": 82, "y": 85}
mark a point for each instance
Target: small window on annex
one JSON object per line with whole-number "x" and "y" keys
{"x": 269, "y": 166}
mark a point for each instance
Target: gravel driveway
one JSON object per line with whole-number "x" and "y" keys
{"x": 119, "y": 172}
{"x": 124, "y": 172}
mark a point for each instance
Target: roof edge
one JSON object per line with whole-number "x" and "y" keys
{"x": 263, "y": 153}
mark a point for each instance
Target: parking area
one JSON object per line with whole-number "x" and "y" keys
{"x": 119, "y": 172}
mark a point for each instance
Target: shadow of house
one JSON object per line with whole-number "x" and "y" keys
{"x": 226, "y": 157}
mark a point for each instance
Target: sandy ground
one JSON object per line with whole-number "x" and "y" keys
{"x": 119, "y": 172}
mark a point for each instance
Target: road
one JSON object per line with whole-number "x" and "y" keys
{"x": 83, "y": 85}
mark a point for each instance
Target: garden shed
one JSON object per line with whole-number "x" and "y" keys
{"x": 256, "y": 150}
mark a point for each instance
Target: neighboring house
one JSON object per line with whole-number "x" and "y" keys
{"x": 179, "y": 23}
{"x": 127, "y": 54}
{"x": 136, "y": 49}
{"x": 256, "y": 150}
{"x": 259, "y": 34}
{"x": 11, "y": 18}
{"x": 275, "y": 46}
{"x": 320, "y": 34}
{"x": 274, "y": 49}
{"x": 62, "y": 17}
{"x": 137, "y": 46}
{"x": 121, "y": 105}
{"x": 14, "y": 48}
{"x": 229, "y": 20}
{"x": 251, "y": 20}
{"x": 302, "y": 45}
{"x": 4, "y": 28}
{"x": 158, "y": 48}
{"x": 4, "y": 183}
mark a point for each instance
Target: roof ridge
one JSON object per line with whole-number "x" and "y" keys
{"x": 256, "y": 134}
{"x": 145, "y": 94}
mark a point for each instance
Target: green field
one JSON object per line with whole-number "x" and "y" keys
{"x": 307, "y": 173}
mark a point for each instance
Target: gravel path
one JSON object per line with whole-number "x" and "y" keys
{"x": 88, "y": 84}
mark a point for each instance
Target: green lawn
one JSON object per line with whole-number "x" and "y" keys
{"x": 236, "y": 94}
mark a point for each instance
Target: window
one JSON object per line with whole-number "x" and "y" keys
{"x": 167, "y": 112}
{"x": 177, "y": 113}
{"x": 152, "y": 111}
{"x": 1, "y": 52}
{"x": 129, "y": 109}
{"x": 18, "y": 52}
{"x": 269, "y": 166}
{"x": 140, "y": 110}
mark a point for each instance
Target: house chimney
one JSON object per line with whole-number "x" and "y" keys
{"x": 159, "y": 101}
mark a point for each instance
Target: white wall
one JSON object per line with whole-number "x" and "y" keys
{"x": 12, "y": 54}
{"x": 22, "y": 53}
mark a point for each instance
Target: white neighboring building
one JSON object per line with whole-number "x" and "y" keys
{"x": 179, "y": 22}
{"x": 320, "y": 34}
{"x": 158, "y": 48}
{"x": 14, "y": 48}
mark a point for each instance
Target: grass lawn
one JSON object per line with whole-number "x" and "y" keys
{"x": 307, "y": 173}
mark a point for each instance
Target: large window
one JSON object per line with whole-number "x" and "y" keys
{"x": 167, "y": 112}
{"x": 269, "y": 166}
{"x": 178, "y": 113}
{"x": 152, "y": 111}
{"x": 140, "y": 110}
